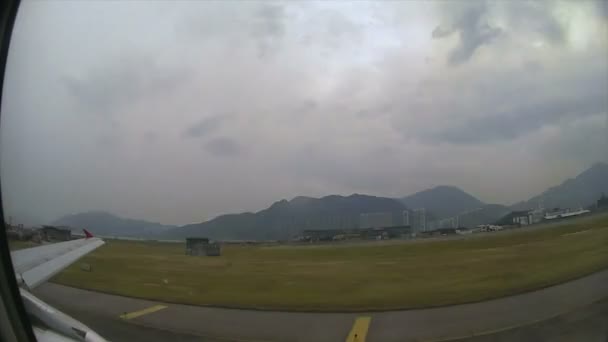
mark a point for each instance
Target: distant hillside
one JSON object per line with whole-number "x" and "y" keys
{"x": 284, "y": 219}
{"x": 442, "y": 201}
{"x": 102, "y": 223}
{"x": 582, "y": 191}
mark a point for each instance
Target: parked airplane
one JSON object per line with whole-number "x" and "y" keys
{"x": 33, "y": 266}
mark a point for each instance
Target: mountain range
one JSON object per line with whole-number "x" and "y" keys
{"x": 442, "y": 201}
{"x": 581, "y": 191}
{"x": 284, "y": 219}
{"x": 106, "y": 224}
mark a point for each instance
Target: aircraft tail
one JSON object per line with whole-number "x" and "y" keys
{"x": 87, "y": 234}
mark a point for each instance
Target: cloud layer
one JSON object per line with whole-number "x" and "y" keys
{"x": 178, "y": 113}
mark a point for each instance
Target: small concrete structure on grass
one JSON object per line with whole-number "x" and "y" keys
{"x": 202, "y": 246}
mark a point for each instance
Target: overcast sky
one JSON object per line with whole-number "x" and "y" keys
{"x": 178, "y": 112}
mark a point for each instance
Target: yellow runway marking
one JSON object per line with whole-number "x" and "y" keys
{"x": 359, "y": 331}
{"x": 149, "y": 310}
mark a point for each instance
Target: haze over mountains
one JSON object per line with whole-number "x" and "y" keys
{"x": 284, "y": 219}
{"x": 443, "y": 201}
{"x": 106, "y": 224}
{"x": 581, "y": 191}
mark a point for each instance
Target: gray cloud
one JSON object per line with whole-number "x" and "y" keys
{"x": 223, "y": 147}
{"x": 206, "y": 126}
{"x": 475, "y": 23}
{"x": 258, "y": 23}
{"x": 602, "y": 8}
{"x": 473, "y": 30}
{"x": 268, "y": 21}
{"x": 533, "y": 66}
{"x": 529, "y": 114}
{"x": 110, "y": 87}
{"x": 489, "y": 104}
{"x": 307, "y": 106}
{"x": 441, "y": 32}
{"x": 538, "y": 18}
{"x": 381, "y": 178}
{"x": 583, "y": 139}
{"x": 151, "y": 136}
{"x": 268, "y": 28}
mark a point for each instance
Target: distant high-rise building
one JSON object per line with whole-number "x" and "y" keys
{"x": 418, "y": 220}
{"x": 602, "y": 202}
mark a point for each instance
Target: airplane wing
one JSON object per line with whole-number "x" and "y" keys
{"x": 33, "y": 266}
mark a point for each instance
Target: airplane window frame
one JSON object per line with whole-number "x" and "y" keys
{"x": 15, "y": 323}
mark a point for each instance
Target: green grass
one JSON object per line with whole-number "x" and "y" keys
{"x": 350, "y": 278}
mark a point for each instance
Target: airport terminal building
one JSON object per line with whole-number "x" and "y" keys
{"x": 381, "y": 233}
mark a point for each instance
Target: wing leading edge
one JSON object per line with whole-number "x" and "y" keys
{"x": 33, "y": 266}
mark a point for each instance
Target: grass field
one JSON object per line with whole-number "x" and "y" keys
{"x": 350, "y": 278}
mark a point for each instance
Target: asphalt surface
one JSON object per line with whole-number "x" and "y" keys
{"x": 588, "y": 324}
{"x": 521, "y": 314}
